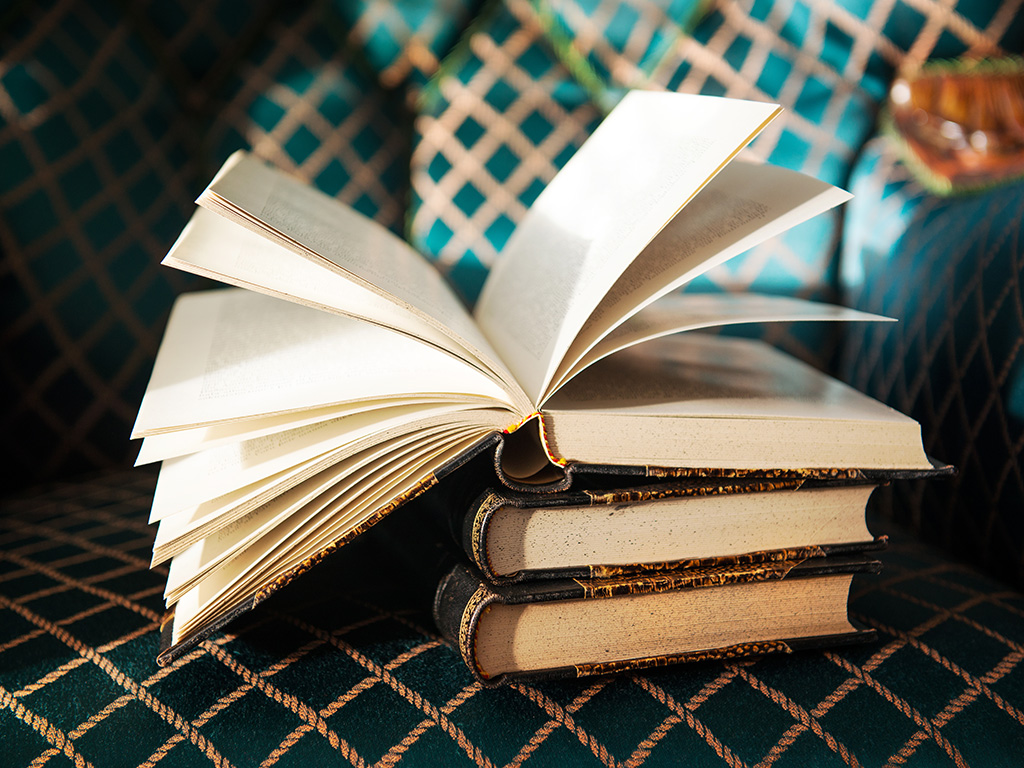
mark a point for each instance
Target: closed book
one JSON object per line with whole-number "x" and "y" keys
{"x": 604, "y": 527}
{"x": 577, "y": 628}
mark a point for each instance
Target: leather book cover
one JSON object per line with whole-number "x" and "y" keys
{"x": 464, "y": 595}
{"x": 471, "y": 522}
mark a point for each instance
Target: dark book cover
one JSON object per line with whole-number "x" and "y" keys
{"x": 471, "y": 516}
{"x": 464, "y": 596}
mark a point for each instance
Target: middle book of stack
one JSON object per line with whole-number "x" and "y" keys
{"x": 625, "y": 573}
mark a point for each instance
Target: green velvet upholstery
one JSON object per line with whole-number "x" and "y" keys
{"x": 115, "y": 117}
{"x": 443, "y": 120}
{"x": 496, "y": 123}
{"x": 951, "y": 270}
{"x": 345, "y": 668}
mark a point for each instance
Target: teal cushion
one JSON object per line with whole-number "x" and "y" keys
{"x": 114, "y": 123}
{"x": 493, "y": 127}
{"x": 403, "y": 42}
{"x": 950, "y": 270}
{"x": 345, "y": 667}
{"x": 825, "y": 62}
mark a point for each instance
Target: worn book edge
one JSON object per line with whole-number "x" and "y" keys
{"x": 463, "y": 596}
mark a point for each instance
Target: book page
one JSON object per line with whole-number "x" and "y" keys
{"x": 340, "y": 239}
{"x": 698, "y": 374}
{"x": 214, "y": 247}
{"x": 178, "y": 531}
{"x": 648, "y": 158}
{"x": 167, "y": 502}
{"x": 269, "y": 557}
{"x": 285, "y": 511}
{"x": 169, "y": 445}
{"x": 741, "y": 207}
{"x": 198, "y": 477}
{"x": 693, "y": 311}
{"x": 234, "y": 354}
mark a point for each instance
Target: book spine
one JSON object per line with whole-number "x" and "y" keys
{"x": 459, "y": 602}
{"x": 463, "y": 596}
{"x": 474, "y": 530}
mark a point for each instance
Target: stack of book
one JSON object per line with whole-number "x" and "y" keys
{"x": 350, "y": 378}
{"x": 605, "y": 578}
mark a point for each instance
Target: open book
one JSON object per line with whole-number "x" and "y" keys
{"x": 286, "y": 428}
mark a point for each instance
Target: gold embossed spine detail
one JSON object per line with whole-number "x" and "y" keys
{"x": 809, "y": 473}
{"x": 481, "y": 520}
{"x": 796, "y": 555}
{"x": 477, "y": 604}
{"x": 648, "y": 493}
{"x": 714, "y": 576}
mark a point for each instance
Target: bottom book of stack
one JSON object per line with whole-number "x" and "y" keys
{"x": 579, "y": 627}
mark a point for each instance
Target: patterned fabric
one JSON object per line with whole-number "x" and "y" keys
{"x": 297, "y": 101}
{"x": 826, "y": 62}
{"x": 112, "y": 117}
{"x": 95, "y": 184}
{"x": 404, "y": 41}
{"x": 344, "y": 668}
{"x": 110, "y": 125}
{"x": 951, "y": 271}
{"x": 494, "y": 127}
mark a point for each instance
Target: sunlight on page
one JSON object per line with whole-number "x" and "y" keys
{"x": 691, "y": 312}
{"x": 340, "y": 238}
{"x": 742, "y": 206}
{"x": 215, "y": 247}
{"x": 641, "y": 165}
{"x": 232, "y": 354}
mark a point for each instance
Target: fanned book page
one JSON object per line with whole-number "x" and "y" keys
{"x": 349, "y": 377}
{"x": 643, "y": 164}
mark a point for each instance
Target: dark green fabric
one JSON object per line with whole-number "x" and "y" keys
{"x": 950, "y": 270}
{"x": 345, "y": 668}
{"x": 112, "y": 117}
{"x": 115, "y": 116}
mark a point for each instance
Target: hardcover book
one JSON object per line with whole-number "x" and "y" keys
{"x": 285, "y": 428}
{"x": 576, "y": 628}
{"x": 602, "y": 532}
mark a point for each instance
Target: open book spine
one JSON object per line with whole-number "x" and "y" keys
{"x": 463, "y": 596}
